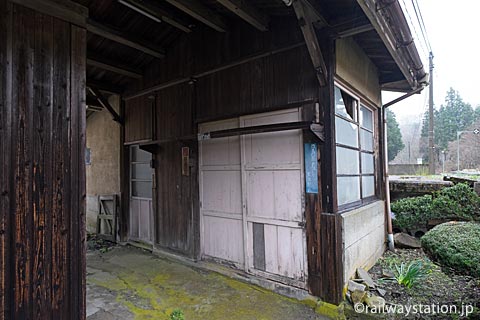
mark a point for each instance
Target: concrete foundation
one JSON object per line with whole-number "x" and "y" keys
{"x": 364, "y": 237}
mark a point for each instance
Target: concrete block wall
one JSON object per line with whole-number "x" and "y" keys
{"x": 364, "y": 237}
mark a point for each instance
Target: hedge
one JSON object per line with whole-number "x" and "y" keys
{"x": 459, "y": 202}
{"x": 456, "y": 245}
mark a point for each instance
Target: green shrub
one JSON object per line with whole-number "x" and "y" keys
{"x": 457, "y": 202}
{"x": 456, "y": 245}
{"x": 412, "y": 213}
{"x": 412, "y": 273}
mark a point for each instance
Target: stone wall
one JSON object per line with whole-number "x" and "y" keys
{"x": 412, "y": 188}
{"x": 364, "y": 237}
{"x": 407, "y": 169}
{"x": 103, "y": 173}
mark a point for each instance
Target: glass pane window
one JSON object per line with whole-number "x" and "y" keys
{"x": 142, "y": 189}
{"x": 347, "y": 161}
{"x": 346, "y": 132}
{"x": 366, "y": 118}
{"x": 355, "y": 145}
{"x": 139, "y": 155}
{"x": 367, "y": 163}
{"x": 141, "y": 171}
{"x": 368, "y": 186}
{"x": 348, "y": 190}
{"x": 366, "y": 140}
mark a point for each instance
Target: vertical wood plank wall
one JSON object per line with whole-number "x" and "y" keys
{"x": 257, "y": 86}
{"x": 42, "y": 173}
{"x": 260, "y": 85}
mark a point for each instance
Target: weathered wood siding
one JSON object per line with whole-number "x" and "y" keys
{"x": 42, "y": 173}
{"x": 139, "y": 119}
{"x": 271, "y": 82}
{"x": 176, "y": 194}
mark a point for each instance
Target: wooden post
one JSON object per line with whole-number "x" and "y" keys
{"x": 42, "y": 168}
{"x": 329, "y": 275}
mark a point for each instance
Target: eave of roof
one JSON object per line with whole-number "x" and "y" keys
{"x": 391, "y": 25}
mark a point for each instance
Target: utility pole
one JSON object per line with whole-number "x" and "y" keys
{"x": 431, "y": 146}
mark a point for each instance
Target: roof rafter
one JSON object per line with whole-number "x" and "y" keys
{"x": 201, "y": 13}
{"x": 97, "y": 62}
{"x": 155, "y": 11}
{"x": 307, "y": 17}
{"x": 103, "y": 101}
{"x": 114, "y": 35}
{"x": 105, "y": 87}
{"x": 247, "y": 13}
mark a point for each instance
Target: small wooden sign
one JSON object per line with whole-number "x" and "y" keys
{"x": 185, "y": 161}
{"x": 311, "y": 168}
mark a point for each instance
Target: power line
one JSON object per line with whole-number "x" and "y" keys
{"x": 415, "y": 28}
{"x": 423, "y": 29}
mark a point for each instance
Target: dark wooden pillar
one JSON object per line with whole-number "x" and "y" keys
{"x": 331, "y": 243}
{"x": 42, "y": 168}
{"x": 323, "y": 223}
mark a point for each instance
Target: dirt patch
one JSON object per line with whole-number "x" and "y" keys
{"x": 440, "y": 287}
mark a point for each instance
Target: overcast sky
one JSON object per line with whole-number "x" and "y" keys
{"x": 452, "y": 28}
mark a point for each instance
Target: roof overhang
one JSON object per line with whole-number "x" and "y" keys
{"x": 389, "y": 22}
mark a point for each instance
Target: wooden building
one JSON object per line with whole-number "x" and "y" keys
{"x": 252, "y": 134}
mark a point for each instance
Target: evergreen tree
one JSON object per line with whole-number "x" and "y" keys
{"x": 454, "y": 115}
{"x": 394, "y": 136}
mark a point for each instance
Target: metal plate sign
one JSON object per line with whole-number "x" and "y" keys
{"x": 311, "y": 168}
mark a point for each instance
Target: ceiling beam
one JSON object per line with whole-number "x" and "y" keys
{"x": 114, "y": 35}
{"x": 93, "y": 102}
{"x": 201, "y": 13}
{"x": 113, "y": 67}
{"x": 161, "y": 14}
{"x": 105, "y": 87}
{"x": 306, "y": 18}
{"x": 104, "y": 103}
{"x": 316, "y": 13}
{"x": 247, "y": 13}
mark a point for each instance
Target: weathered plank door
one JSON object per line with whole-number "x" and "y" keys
{"x": 141, "y": 221}
{"x": 273, "y": 180}
{"x": 251, "y": 191}
{"x": 222, "y": 226}
{"x": 42, "y": 168}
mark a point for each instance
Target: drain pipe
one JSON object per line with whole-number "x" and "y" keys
{"x": 388, "y": 213}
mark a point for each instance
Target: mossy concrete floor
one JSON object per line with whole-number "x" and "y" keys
{"x": 128, "y": 283}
